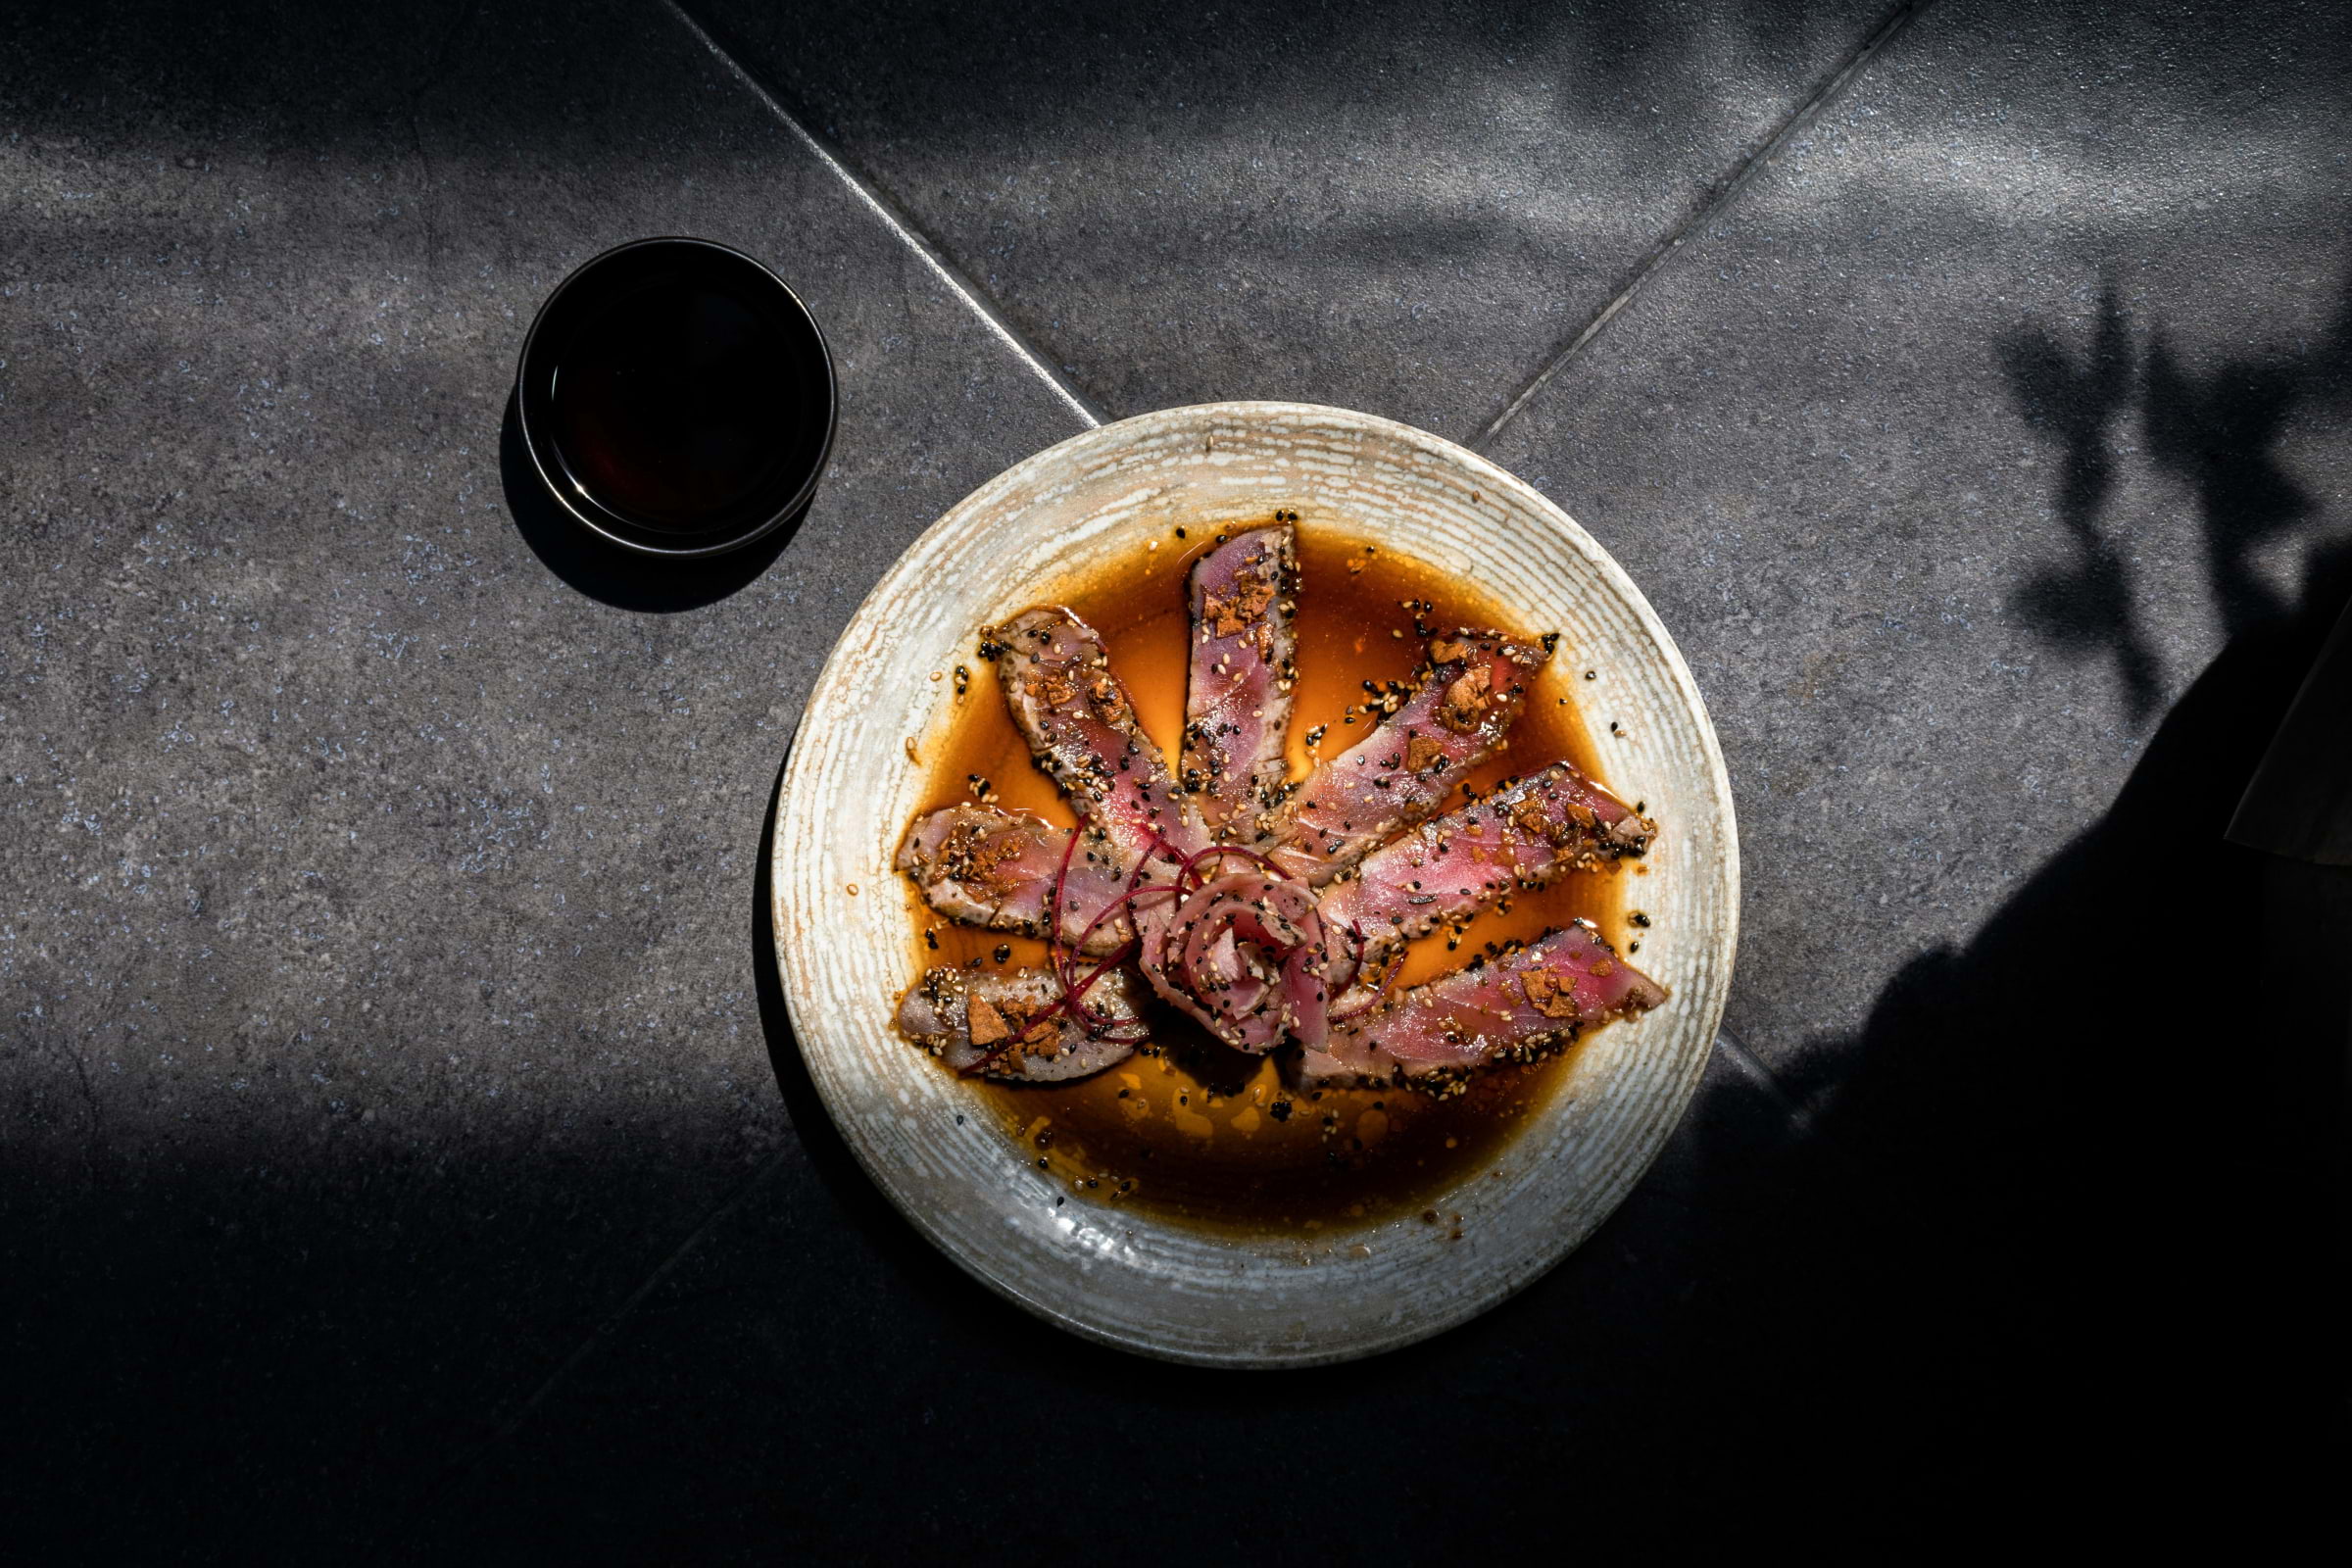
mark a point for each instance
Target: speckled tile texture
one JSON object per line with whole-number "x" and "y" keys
{"x": 1963, "y": 444}
{"x": 1398, "y": 207}
{"x": 402, "y": 1150}
{"x": 377, "y": 903}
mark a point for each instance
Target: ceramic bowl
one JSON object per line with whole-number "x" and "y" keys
{"x": 1117, "y": 1274}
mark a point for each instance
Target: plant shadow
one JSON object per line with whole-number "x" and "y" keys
{"x": 2071, "y": 1206}
{"x": 2064, "y": 1220}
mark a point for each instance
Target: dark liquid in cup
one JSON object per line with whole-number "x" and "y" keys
{"x": 682, "y": 404}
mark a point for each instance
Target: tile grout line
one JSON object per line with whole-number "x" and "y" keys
{"x": 898, "y": 222}
{"x": 1747, "y": 1060}
{"x": 1740, "y": 178}
{"x": 597, "y": 1337}
{"x": 994, "y": 319}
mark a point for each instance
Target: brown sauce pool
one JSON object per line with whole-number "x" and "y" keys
{"x": 1200, "y": 1133}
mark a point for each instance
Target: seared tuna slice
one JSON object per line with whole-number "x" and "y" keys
{"x": 1515, "y": 840}
{"x": 1469, "y": 697}
{"x": 1237, "y": 699}
{"x": 989, "y": 866}
{"x": 1512, "y": 1009}
{"x": 1008, "y": 1025}
{"x": 1082, "y": 727}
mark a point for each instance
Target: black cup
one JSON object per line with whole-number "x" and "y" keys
{"x": 676, "y": 397}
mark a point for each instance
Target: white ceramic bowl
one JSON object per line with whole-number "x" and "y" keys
{"x": 1118, "y": 1274}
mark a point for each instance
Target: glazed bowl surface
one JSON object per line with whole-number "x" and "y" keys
{"x": 1113, "y": 1272}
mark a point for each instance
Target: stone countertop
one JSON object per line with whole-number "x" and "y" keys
{"x": 389, "y": 1107}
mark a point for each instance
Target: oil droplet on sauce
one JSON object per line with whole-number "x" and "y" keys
{"x": 1199, "y": 1132}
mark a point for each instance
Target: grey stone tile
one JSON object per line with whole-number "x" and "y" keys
{"x": 372, "y": 1036}
{"x": 1958, "y": 449}
{"x": 1402, "y": 209}
{"x": 376, "y": 931}
{"x": 1987, "y": 460}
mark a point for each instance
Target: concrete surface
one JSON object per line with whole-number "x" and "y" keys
{"x": 400, "y": 1146}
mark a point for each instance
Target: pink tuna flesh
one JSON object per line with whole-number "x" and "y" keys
{"x": 988, "y": 866}
{"x": 1517, "y": 839}
{"x": 1081, "y": 728}
{"x": 1236, "y": 699}
{"x": 1512, "y": 1008}
{"x": 1009, "y": 1026}
{"x": 1400, "y": 773}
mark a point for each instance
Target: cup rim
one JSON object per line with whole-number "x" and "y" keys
{"x": 606, "y": 521}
